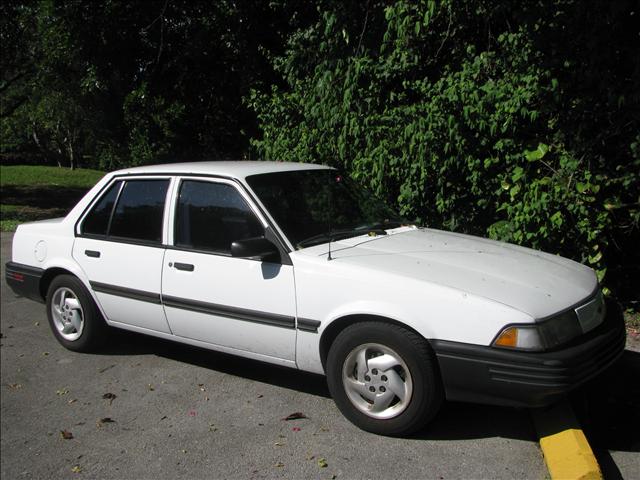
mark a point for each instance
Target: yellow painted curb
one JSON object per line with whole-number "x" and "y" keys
{"x": 566, "y": 450}
{"x": 569, "y": 456}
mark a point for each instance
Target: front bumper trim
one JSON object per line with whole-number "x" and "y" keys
{"x": 482, "y": 374}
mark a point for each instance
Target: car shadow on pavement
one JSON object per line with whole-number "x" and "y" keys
{"x": 608, "y": 408}
{"x": 455, "y": 421}
{"x": 466, "y": 421}
{"x": 129, "y": 343}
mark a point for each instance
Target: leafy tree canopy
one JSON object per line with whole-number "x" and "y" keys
{"x": 518, "y": 120}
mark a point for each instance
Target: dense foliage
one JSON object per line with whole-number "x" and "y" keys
{"x": 115, "y": 82}
{"x": 518, "y": 120}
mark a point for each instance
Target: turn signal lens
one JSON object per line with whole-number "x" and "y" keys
{"x": 508, "y": 338}
{"x": 520, "y": 337}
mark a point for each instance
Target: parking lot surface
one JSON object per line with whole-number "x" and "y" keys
{"x": 148, "y": 408}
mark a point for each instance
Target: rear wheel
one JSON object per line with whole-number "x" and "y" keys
{"x": 383, "y": 378}
{"x": 73, "y": 316}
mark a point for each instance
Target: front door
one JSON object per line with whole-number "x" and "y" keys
{"x": 208, "y": 295}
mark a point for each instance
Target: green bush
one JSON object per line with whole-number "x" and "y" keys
{"x": 473, "y": 117}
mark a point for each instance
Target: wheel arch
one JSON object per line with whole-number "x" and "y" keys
{"x": 58, "y": 267}
{"x": 47, "y": 278}
{"x": 331, "y": 332}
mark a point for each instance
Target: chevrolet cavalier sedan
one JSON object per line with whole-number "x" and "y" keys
{"x": 296, "y": 265}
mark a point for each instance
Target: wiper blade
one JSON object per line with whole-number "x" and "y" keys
{"x": 372, "y": 230}
{"x": 337, "y": 235}
{"x": 383, "y": 226}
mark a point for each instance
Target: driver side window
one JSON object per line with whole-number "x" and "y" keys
{"x": 210, "y": 216}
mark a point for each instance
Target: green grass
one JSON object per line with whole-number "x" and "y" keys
{"x": 9, "y": 225}
{"x": 30, "y": 175}
{"x": 32, "y": 193}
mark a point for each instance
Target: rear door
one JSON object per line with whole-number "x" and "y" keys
{"x": 120, "y": 248}
{"x": 242, "y": 304}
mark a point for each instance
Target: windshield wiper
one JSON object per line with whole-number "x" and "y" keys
{"x": 371, "y": 230}
{"x": 382, "y": 227}
{"x": 329, "y": 236}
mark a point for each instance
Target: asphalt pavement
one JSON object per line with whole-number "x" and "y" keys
{"x": 149, "y": 408}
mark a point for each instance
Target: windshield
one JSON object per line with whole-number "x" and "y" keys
{"x": 314, "y": 206}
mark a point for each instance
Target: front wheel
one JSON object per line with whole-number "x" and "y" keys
{"x": 383, "y": 378}
{"x": 73, "y": 316}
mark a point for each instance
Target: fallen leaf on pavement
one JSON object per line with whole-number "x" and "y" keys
{"x": 15, "y": 386}
{"x": 150, "y": 387}
{"x": 295, "y": 416}
{"x": 76, "y": 469}
{"x": 73, "y": 400}
{"x": 109, "y": 396}
{"x": 62, "y": 391}
{"x": 279, "y": 465}
{"x": 104, "y": 420}
{"x": 322, "y": 463}
{"x": 66, "y": 434}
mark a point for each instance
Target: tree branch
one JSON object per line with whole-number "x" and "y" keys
{"x": 364, "y": 27}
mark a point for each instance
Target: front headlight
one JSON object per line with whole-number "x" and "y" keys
{"x": 540, "y": 336}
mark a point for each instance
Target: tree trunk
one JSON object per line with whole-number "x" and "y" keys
{"x": 45, "y": 151}
{"x": 72, "y": 163}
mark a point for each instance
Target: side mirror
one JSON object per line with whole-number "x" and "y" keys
{"x": 257, "y": 248}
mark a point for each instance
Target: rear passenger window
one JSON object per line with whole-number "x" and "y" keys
{"x": 140, "y": 210}
{"x": 97, "y": 221}
{"x": 210, "y": 216}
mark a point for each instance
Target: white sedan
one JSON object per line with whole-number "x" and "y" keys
{"x": 294, "y": 264}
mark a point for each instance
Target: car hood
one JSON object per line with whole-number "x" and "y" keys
{"x": 536, "y": 283}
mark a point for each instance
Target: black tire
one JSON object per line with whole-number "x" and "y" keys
{"x": 94, "y": 330}
{"x": 427, "y": 392}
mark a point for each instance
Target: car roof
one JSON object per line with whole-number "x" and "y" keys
{"x": 234, "y": 169}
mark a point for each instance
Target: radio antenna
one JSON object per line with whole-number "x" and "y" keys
{"x": 337, "y": 179}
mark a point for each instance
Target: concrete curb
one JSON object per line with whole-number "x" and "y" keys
{"x": 566, "y": 450}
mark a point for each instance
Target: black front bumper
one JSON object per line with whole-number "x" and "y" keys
{"x": 473, "y": 373}
{"x": 24, "y": 280}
